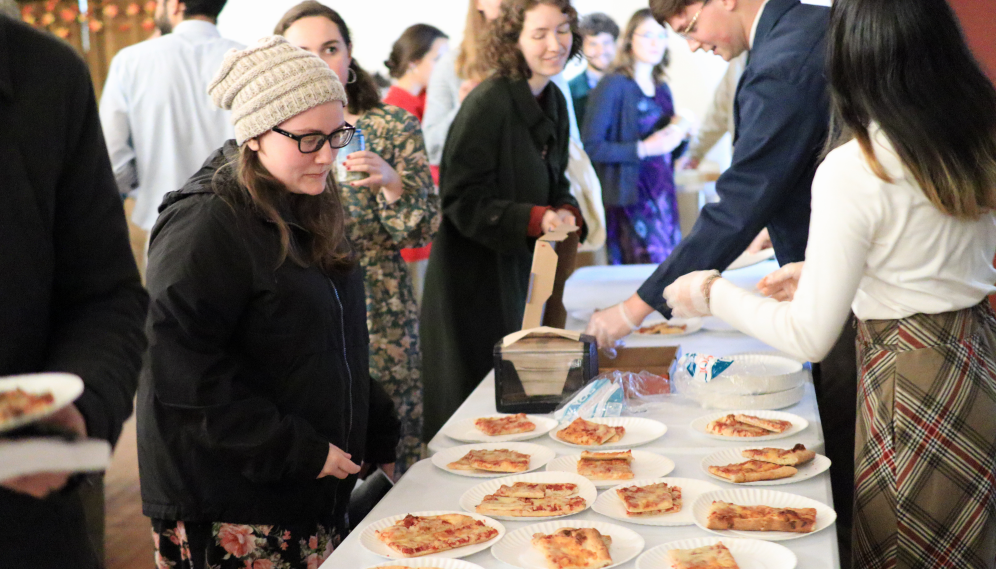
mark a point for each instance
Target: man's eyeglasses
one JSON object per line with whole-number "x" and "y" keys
{"x": 313, "y": 142}
{"x": 691, "y": 25}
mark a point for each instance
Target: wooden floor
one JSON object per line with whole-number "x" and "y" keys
{"x": 128, "y": 541}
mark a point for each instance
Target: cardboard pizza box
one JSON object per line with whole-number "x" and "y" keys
{"x": 656, "y": 360}
{"x": 553, "y": 262}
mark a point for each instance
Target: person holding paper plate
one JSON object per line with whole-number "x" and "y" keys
{"x": 503, "y": 185}
{"x": 903, "y": 232}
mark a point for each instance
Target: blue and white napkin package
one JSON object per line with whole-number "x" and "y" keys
{"x": 702, "y": 367}
{"x": 600, "y": 398}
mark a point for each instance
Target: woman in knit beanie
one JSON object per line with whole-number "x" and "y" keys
{"x": 254, "y": 402}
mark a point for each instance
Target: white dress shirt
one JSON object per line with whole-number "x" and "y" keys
{"x": 158, "y": 121}
{"x": 880, "y": 249}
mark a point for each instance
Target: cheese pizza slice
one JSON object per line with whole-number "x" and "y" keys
{"x": 724, "y": 515}
{"x": 708, "y": 557}
{"x": 495, "y": 505}
{"x": 537, "y": 490}
{"x": 752, "y": 471}
{"x": 651, "y": 500}
{"x": 587, "y": 433}
{"x": 773, "y": 425}
{"x": 729, "y": 426}
{"x": 615, "y": 469}
{"x": 509, "y": 425}
{"x": 499, "y": 460}
{"x": 794, "y": 456}
{"x": 574, "y": 548}
{"x": 414, "y": 536}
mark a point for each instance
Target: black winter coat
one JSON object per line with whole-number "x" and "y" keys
{"x": 252, "y": 370}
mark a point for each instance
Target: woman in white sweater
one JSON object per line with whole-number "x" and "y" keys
{"x": 902, "y": 233}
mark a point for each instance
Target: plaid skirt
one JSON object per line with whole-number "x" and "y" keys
{"x": 925, "y": 449}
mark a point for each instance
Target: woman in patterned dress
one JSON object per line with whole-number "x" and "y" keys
{"x": 394, "y": 208}
{"x": 903, "y": 232}
{"x": 627, "y": 135}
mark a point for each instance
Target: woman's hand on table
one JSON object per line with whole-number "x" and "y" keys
{"x": 688, "y": 295}
{"x": 782, "y": 284}
{"x": 382, "y": 176}
{"x": 614, "y": 323}
{"x": 338, "y": 464}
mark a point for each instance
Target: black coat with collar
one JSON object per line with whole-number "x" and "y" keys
{"x": 70, "y": 294}
{"x": 506, "y": 152}
{"x": 782, "y": 115}
{"x": 253, "y": 369}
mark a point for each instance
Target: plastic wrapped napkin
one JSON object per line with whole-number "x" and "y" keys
{"x": 600, "y": 398}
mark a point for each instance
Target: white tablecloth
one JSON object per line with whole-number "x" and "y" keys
{"x": 425, "y": 487}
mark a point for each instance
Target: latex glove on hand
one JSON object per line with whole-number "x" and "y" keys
{"x": 761, "y": 242}
{"x": 609, "y": 325}
{"x": 687, "y": 295}
{"x": 782, "y": 284}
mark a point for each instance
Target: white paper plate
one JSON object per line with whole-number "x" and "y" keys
{"x": 638, "y": 432}
{"x": 798, "y": 424}
{"x": 465, "y": 430}
{"x": 538, "y": 457}
{"x": 748, "y": 553}
{"x": 430, "y": 562}
{"x": 369, "y": 541}
{"x": 747, "y": 259}
{"x": 692, "y": 325}
{"x": 517, "y": 548}
{"x": 645, "y": 465}
{"x": 732, "y": 456}
{"x": 64, "y": 387}
{"x": 825, "y": 515}
{"x": 471, "y": 498}
{"x": 609, "y": 504}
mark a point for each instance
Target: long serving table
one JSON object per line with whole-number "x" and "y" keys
{"x": 425, "y": 487}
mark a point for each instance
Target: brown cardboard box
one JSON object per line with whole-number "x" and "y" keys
{"x": 656, "y": 360}
{"x": 553, "y": 263}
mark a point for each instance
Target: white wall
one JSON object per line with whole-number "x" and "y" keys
{"x": 376, "y": 24}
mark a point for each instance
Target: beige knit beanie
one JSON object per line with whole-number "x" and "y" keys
{"x": 270, "y": 82}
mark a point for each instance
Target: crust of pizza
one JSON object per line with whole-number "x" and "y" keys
{"x": 499, "y": 460}
{"x": 496, "y": 505}
{"x": 773, "y": 425}
{"x": 414, "y": 536}
{"x": 508, "y": 425}
{"x": 663, "y": 328}
{"x": 752, "y": 471}
{"x": 728, "y": 426}
{"x": 614, "y": 469}
{"x": 653, "y": 499}
{"x": 724, "y": 515}
{"x": 17, "y": 402}
{"x": 708, "y": 557}
{"x": 537, "y": 490}
{"x": 587, "y": 433}
{"x": 626, "y": 455}
{"x": 795, "y": 456}
{"x": 571, "y": 548}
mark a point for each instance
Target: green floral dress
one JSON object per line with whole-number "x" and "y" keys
{"x": 379, "y": 231}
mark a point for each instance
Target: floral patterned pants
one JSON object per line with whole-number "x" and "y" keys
{"x": 216, "y": 545}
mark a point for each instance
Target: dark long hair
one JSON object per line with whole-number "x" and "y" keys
{"x": 362, "y": 91}
{"x": 246, "y": 182}
{"x": 625, "y": 61}
{"x": 905, "y": 66}
{"x": 500, "y": 47}
{"x": 414, "y": 43}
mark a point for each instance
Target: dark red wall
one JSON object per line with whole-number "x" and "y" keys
{"x": 979, "y": 23}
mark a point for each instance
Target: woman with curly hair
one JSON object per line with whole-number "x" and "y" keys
{"x": 502, "y": 186}
{"x": 394, "y": 207}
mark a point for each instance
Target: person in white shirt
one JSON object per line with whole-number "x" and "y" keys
{"x": 158, "y": 121}
{"x": 903, "y": 233}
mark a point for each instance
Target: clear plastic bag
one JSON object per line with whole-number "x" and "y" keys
{"x": 744, "y": 381}
{"x": 599, "y": 398}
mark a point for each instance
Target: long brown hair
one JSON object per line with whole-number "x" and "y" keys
{"x": 468, "y": 61}
{"x": 362, "y": 90}
{"x": 625, "y": 61}
{"x": 906, "y": 67}
{"x": 245, "y": 181}
{"x": 500, "y": 48}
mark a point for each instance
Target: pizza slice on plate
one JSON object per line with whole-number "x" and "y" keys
{"x": 794, "y": 456}
{"x": 500, "y": 460}
{"x": 537, "y": 490}
{"x": 587, "y": 433}
{"x": 606, "y": 465}
{"x": 508, "y": 425}
{"x": 752, "y": 471}
{"x": 708, "y": 557}
{"x": 495, "y": 505}
{"x": 773, "y": 425}
{"x": 729, "y": 426}
{"x": 414, "y": 536}
{"x": 724, "y": 515}
{"x": 651, "y": 500}
{"x": 570, "y": 548}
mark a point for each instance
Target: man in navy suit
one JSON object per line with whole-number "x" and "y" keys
{"x": 781, "y": 113}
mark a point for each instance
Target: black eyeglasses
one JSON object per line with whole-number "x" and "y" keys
{"x": 313, "y": 142}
